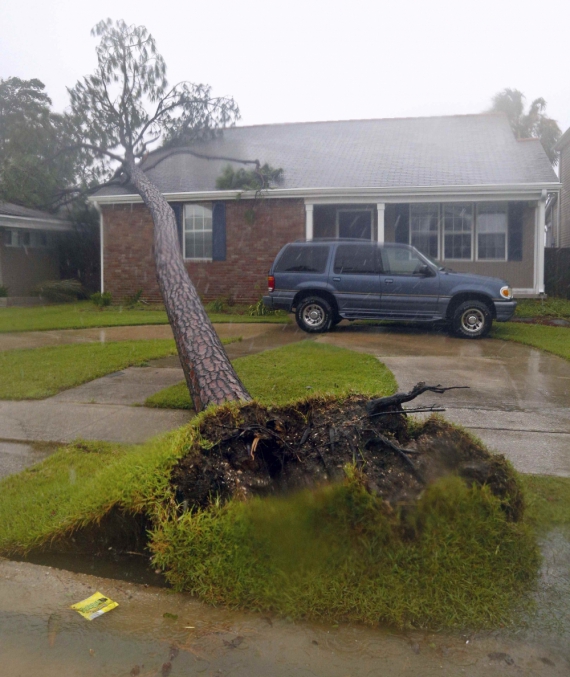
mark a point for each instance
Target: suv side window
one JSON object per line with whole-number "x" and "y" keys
{"x": 303, "y": 259}
{"x": 359, "y": 259}
{"x": 401, "y": 261}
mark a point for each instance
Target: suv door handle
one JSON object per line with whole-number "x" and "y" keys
{"x": 388, "y": 280}
{"x": 336, "y": 279}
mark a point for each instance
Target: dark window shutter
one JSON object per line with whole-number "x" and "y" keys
{"x": 219, "y": 231}
{"x": 402, "y": 224}
{"x": 177, "y": 208}
{"x": 516, "y": 210}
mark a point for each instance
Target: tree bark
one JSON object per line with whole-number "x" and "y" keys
{"x": 209, "y": 373}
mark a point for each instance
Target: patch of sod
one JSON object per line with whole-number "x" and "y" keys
{"x": 453, "y": 559}
{"x": 548, "y": 501}
{"x": 36, "y": 373}
{"x": 338, "y": 552}
{"x": 550, "y": 307}
{"x": 291, "y": 372}
{"x": 84, "y": 314}
{"x": 551, "y": 339}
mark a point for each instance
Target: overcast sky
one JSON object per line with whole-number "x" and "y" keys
{"x": 296, "y": 60}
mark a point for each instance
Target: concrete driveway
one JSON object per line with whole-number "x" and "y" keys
{"x": 518, "y": 398}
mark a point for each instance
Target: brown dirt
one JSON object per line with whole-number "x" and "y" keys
{"x": 257, "y": 451}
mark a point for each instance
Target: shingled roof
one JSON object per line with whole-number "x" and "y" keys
{"x": 465, "y": 150}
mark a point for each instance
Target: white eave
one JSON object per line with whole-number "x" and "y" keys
{"x": 523, "y": 191}
{"x": 8, "y": 221}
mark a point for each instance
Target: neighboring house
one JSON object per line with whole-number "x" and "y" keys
{"x": 461, "y": 189}
{"x": 562, "y": 236}
{"x": 28, "y": 248}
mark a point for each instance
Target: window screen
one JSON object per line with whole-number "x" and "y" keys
{"x": 457, "y": 227}
{"x": 492, "y": 223}
{"x": 361, "y": 259}
{"x": 303, "y": 259}
{"x": 197, "y": 232}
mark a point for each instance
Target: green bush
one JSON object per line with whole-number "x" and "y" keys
{"x": 3, "y": 292}
{"x": 217, "y": 306}
{"x": 259, "y": 309}
{"x": 101, "y": 300}
{"x": 59, "y": 291}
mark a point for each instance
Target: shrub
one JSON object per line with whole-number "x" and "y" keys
{"x": 134, "y": 300}
{"x": 259, "y": 309}
{"x": 3, "y": 292}
{"x": 59, "y": 291}
{"x": 101, "y": 300}
{"x": 217, "y": 306}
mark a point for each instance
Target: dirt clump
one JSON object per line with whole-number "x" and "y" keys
{"x": 254, "y": 450}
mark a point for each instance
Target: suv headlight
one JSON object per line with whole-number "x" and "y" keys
{"x": 506, "y": 293}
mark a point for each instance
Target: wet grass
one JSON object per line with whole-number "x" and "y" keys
{"x": 36, "y": 373}
{"x": 548, "y": 502}
{"x": 285, "y": 374}
{"x": 550, "y": 307}
{"x": 554, "y": 340}
{"x": 84, "y": 314}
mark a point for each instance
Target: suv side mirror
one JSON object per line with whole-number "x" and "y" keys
{"x": 425, "y": 271}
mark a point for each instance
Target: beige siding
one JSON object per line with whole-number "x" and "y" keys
{"x": 24, "y": 267}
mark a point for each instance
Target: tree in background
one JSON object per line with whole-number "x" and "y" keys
{"x": 532, "y": 124}
{"x": 119, "y": 114}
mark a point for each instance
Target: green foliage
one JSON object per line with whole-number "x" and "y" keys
{"x": 59, "y": 290}
{"x": 134, "y": 300}
{"x": 257, "y": 179}
{"x": 549, "y": 307}
{"x": 551, "y": 339}
{"x": 217, "y": 306}
{"x": 259, "y": 309}
{"x": 3, "y": 291}
{"x": 292, "y": 372}
{"x": 533, "y": 123}
{"x": 452, "y": 559}
{"x": 101, "y": 300}
{"x": 32, "y": 170}
{"x": 41, "y": 372}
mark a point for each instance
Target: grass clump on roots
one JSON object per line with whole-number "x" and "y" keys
{"x": 248, "y": 509}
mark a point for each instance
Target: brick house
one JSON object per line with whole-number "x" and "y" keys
{"x": 28, "y": 249}
{"x": 461, "y": 189}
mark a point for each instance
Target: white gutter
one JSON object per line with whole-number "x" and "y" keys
{"x": 34, "y": 223}
{"x": 328, "y": 195}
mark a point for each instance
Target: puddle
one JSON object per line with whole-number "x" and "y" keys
{"x": 157, "y": 632}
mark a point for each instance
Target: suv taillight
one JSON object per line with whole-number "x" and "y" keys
{"x": 270, "y": 283}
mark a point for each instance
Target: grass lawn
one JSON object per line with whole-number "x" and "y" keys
{"x": 295, "y": 371}
{"x": 36, "y": 373}
{"x": 552, "y": 339}
{"x": 84, "y": 314}
{"x": 550, "y": 307}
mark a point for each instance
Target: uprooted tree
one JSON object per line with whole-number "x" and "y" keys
{"x": 119, "y": 114}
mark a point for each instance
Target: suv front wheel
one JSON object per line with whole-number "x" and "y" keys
{"x": 314, "y": 315}
{"x": 472, "y": 319}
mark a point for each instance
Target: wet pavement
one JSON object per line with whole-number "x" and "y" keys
{"x": 518, "y": 397}
{"x": 15, "y": 456}
{"x": 154, "y": 632}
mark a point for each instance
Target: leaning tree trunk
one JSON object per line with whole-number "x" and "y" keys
{"x": 209, "y": 373}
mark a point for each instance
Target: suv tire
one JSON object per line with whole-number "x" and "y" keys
{"x": 314, "y": 315}
{"x": 472, "y": 319}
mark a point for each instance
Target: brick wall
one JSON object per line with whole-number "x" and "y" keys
{"x": 564, "y": 238}
{"x": 251, "y": 248}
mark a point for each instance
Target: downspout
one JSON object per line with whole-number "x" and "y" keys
{"x": 101, "y": 244}
{"x": 540, "y": 230}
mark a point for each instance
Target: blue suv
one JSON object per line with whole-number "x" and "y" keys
{"x": 326, "y": 281}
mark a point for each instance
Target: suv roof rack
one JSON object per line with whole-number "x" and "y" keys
{"x": 337, "y": 239}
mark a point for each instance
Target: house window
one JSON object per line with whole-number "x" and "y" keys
{"x": 492, "y": 227}
{"x": 424, "y": 228}
{"x": 457, "y": 231}
{"x": 354, "y": 223}
{"x": 197, "y": 232}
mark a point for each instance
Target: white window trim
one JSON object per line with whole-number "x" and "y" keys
{"x": 476, "y": 229}
{"x": 192, "y": 258}
{"x": 356, "y": 209}
{"x": 439, "y": 226}
{"x": 442, "y": 226}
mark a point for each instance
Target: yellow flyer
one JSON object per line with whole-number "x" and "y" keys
{"x": 94, "y": 606}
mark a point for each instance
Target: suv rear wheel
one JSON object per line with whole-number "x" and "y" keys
{"x": 472, "y": 319}
{"x": 314, "y": 315}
